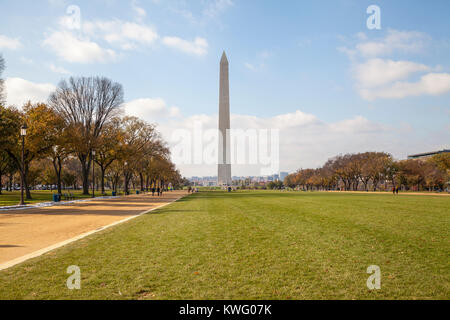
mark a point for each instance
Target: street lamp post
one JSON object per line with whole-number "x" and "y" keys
{"x": 23, "y": 133}
{"x": 93, "y": 174}
{"x": 126, "y": 178}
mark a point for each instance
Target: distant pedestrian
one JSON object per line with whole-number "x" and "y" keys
{"x": 153, "y": 191}
{"x": 159, "y": 191}
{"x": 397, "y": 190}
{"x": 393, "y": 190}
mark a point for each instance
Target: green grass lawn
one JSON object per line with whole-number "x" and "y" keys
{"x": 13, "y": 198}
{"x": 256, "y": 245}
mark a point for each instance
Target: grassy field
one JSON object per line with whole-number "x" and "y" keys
{"x": 13, "y": 198}
{"x": 256, "y": 245}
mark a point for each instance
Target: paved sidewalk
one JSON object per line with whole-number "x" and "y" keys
{"x": 24, "y": 232}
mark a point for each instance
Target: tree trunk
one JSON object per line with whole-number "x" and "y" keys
{"x": 85, "y": 168}
{"x": 375, "y": 185}
{"x": 58, "y": 167}
{"x": 126, "y": 183}
{"x": 25, "y": 182}
{"x": 102, "y": 181}
{"x": 141, "y": 177}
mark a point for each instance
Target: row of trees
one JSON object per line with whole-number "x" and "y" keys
{"x": 82, "y": 123}
{"x": 374, "y": 171}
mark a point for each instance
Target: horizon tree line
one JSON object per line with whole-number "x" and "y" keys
{"x": 374, "y": 171}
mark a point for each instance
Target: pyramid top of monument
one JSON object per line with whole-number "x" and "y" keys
{"x": 224, "y": 58}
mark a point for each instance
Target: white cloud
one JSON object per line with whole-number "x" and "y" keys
{"x": 197, "y": 47}
{"x": 151, "y": 110}
{"x": 250, "y": 66}
{"x": 429, "y": 84}
{"x": 9, "y": 43}
{"x": 260, "y": 63}
{"x": 403, "y": 41}
{"x": 385, "y": 78}
{"x": 19, "y": 91}
{"x": 77, "y": 46}
{"x": 210, "y": 11}
{"x": 56, "y": 69}
{"x": 128, "y": 35}
{"x": 376, "y": 72}
{"x": 26, "y": 60}
{"x": 216, "y": 7}
{"x": 140, "y": 12}
{"x": 75, "y": 50}
{"x": 393, "y": 42}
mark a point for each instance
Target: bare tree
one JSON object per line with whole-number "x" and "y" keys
{"x": 139, "y": 144}
{"x": 86, "y": 104}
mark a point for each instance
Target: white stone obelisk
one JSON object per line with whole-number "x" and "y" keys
{"x": 224, "y": 176}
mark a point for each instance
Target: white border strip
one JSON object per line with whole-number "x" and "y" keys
{"x": 38, "y": 253}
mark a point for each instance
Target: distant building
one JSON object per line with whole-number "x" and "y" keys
{"x": 427, "y": 154}
{"x": 283, "y": 175}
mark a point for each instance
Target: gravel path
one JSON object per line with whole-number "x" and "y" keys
{"x": 23, "y": 232}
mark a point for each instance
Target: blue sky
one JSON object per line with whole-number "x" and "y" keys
{"x": 356, "y": 89}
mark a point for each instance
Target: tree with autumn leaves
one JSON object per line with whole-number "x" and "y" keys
{"x": 83, "y": 115}
{"x": 42, "y": 135}
{"x": 371, "y": 170}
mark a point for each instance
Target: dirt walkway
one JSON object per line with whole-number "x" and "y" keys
{"x": 26, "y": 231}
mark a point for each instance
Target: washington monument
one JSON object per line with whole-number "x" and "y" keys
{"x": 224, "y": 176}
